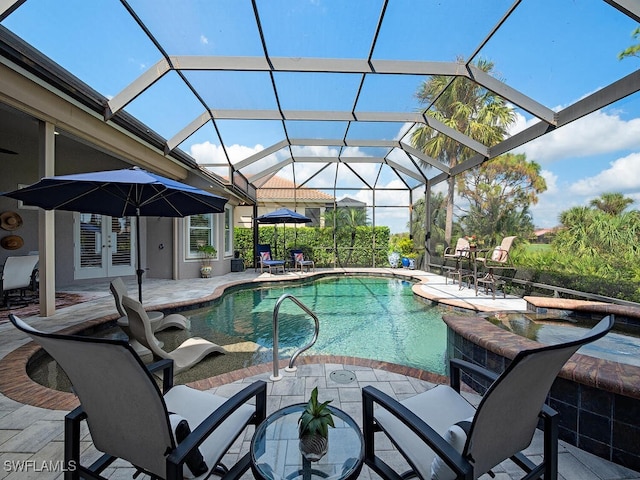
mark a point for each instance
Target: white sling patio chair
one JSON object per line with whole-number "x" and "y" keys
{"x": 17, "y": 274}
{"x": 185, "y": 356}
{"x": 442, "y": 436}
{"x": 130, "y": 418}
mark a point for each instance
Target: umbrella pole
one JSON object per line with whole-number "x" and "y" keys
{"x": 139, "y": 271}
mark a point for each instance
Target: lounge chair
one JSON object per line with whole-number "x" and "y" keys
{"x": 17, "y": 274}
{"x": 185, "y": 356}
{"x": 459, "y": 253}
{"x": 157, "y": 319}
{"x": 443, "y": 436}
{"x": 130, "y": 418}
{"x": 298, "y": 260}
{"x": 499, "y": 259}
{"x": 265, "y": 259}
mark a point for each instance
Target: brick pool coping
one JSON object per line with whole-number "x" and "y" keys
{"x": 614, "y": 377}
{"x": 16, "y": 384}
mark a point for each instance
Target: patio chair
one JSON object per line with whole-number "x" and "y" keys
{"x": 298, "y": 260}
{"x": 459, "y": 253}
{"x": 499, "y": 259}
{"x": 17, "y": 274}
{"x": 185, "y": 356}
{"x": 157, "y": 319}
{"x": 265, "y": 259}
{"x": 443, "y": 436}
{"x": 130, "y": 418}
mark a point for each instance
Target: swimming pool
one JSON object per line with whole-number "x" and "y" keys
{"x": 369, "y": 317}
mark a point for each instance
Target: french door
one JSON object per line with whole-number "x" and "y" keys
{"x": 103, "y": 246}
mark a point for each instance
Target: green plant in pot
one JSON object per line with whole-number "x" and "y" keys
{"x": 207, "y": 253}
{"x": 314, "y": 426}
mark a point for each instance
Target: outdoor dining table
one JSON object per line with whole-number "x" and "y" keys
{"x": 472, "y": 273}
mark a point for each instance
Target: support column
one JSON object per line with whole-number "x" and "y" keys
{"x": 46, "y": 224}
{"x": 256, "y": 236}
{"x": 427, "y": 227}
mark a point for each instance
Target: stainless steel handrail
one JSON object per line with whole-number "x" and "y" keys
{"x": 291, "y": 368}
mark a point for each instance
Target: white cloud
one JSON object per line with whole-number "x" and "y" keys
{"x": 550, "y": 203}
{"x": 208, "y": 152}
{"x": 595, "y": 134}
{"x": 204, "y": 40}
{"x": 622, "y": 176}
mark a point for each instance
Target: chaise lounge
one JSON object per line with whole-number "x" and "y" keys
{"x": 265, "y": 259}
{"x": 185, "y": 356}
{"x": 157, "y": 320}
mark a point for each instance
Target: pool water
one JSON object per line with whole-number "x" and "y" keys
{"x": 375, "y": 318}
{"x": 621, "y": 345}
{"x": 367, "y": 317}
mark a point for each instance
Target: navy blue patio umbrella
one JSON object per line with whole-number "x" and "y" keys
{"x": 282, "y": 215}
{"x": 120, "y": 193}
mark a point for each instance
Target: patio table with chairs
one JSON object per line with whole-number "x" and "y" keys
{"x": 293, "y": 388}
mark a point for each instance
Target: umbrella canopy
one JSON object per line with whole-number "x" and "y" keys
{"x": 120, "y": 193}
{"x": 282, "y": 215}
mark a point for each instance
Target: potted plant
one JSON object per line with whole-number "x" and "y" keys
{"x": 314, "y": 426}
{"x": 406, "y": 250}
{"x": 411, "y": 257}
{"x": 207, "y": 252}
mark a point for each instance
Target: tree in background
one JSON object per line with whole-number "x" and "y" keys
{"x": 593, "y": 232}
{"x": 346, "y": 221}
{"x": 611, "y": 203}
{"x": 438, "y": 220}
{"x": 499, "y": 194}
{"x": 633, "y": 50}
{"x": 468, "y": 108}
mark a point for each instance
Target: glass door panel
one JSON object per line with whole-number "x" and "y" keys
{"x": 104, "y": 246}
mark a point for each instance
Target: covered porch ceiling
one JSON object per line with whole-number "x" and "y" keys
{"x": 322, "y": 92}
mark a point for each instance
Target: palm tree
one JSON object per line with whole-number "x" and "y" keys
{"x": 611, "y": 203}
{"x": 468, "y": 108}
{"x": 347, "y": 219}
{"x": 417, "y": 226}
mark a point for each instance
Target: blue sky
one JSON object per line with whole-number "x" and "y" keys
{"x": 555, "y": 51}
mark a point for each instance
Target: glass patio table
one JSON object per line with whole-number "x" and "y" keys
{"x": 275, "y": 451}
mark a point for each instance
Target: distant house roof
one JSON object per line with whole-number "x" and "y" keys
{"x": 544, "y": 231}
{"x": 350, "y": 202}
{"x": 278, "y": 188}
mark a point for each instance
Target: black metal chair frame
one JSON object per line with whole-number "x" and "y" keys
{"x": 461, "y": 462}
{"x": 176, "y": 457}
{"x": 74, "y": 470}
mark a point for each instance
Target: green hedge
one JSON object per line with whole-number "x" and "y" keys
{"x": 620, "y": 289}
{"x": 317, "y": 244}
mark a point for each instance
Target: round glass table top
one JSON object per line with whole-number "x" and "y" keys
{"x": 275, "y": 450}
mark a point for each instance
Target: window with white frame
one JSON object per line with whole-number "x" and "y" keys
{"x": 200, "y": 230}
{"x": 228, "y": 230}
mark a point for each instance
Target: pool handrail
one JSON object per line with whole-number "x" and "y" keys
{"x": 291, "y": 368}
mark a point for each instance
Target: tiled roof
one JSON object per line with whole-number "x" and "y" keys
{"x": 281, "y": 188}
